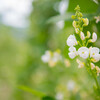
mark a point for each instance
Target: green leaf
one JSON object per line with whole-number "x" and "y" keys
{"x": 87, "y": 6}
{"x": 35, "y": 92}
{"x": 48, "y": 98}
{"x": 57, "y": 18}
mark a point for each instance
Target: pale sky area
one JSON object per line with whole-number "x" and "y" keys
{"x": 15, "y": 12}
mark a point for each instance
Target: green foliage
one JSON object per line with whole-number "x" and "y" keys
{"x": 34, "y": 92}
{"x": 20, "y": 58}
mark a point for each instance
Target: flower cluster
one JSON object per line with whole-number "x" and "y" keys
{"x": 85, "y": 52}
{"x": 51, "y": 57}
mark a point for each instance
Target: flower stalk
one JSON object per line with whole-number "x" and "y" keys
{"x": 91, "y": 54}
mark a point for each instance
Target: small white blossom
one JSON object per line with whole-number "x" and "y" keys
{"x": 59, "y": 96}
{"x": 51, "y": 57}
{"x": 46, "y": 57}
{"x": 73, "y": 53}
{"x": 56, "y": 57}
{"x": 83, "y": 52}
{"x": 80, "y": 64}
{"x": 92, "y": 66}
{"x": 82, "y": 36}
{"x": 94, "y": 37}
{"x": 94, "y": 52}
{"x": 71, "y": 85}
{"x": 71, "y": 41}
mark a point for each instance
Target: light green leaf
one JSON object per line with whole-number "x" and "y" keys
{"x": 35, "y": 92}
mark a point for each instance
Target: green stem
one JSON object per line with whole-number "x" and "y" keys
{"x": 87, "y": 43}
{"x": 95, "y": 79}
{"x": 94, "y": 76}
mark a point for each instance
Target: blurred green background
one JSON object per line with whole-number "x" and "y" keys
{"x": 48, "y": 23}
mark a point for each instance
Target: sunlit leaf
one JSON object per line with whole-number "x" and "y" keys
{"x": 35, "y": 92}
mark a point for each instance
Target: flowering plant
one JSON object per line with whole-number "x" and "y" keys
{"x": 81, "y": 41}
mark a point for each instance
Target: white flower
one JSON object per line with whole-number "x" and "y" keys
{"x": 73, "y": 53}
{"x": 71, "y": 85}
{"x": 94, "y": 52}
{"x": 81, "y": 64}
{"x": 56, "y": 57}
{"x": 71, "y": 41}
{"x": 82, "y": 36}
{"x": 92, "y": 65}
{"x": 51, "y": 57}
{"x": 46, "y": 57}
{"x": 59, "y": 96}
{"x": 94, "y": 37}
{"x": 83, "y": 52}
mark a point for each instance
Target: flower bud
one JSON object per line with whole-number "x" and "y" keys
{"x": 74, "y": 23}
{"x": 73, "y": 17}
{"x": 94, "y": 37}
{"x": 94, "y": 60}
{"x": 81, "y": 15}
{"x": 77, "y": 30}
{"x": 82, "y": 36}
{"x": 85, "y": 21}
{"x": 92, "y": 66}
{"x": 88, "y": 34}
{"x": 98, "y": 70}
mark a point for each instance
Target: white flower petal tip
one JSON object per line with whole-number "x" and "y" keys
{"x": 71, "y": 41}
{"x": 82, "y": 36}
{"x": 94, "y": 37}
{"x": 83, "y": 52}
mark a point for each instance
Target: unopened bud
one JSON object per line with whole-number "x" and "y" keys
{"x": 85, "y": 21}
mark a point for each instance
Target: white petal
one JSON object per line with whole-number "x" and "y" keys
{"x": 83, "y": 52}
{"x": 45, "y": 58}
{"x": 71, "y": 41}
{"x": 72, "y": 55}
{"x": 72, "y": 49}
{"x": 94, "y": 37}
{"x": 82, "y": 36}
{"x": 94, "y": 51}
